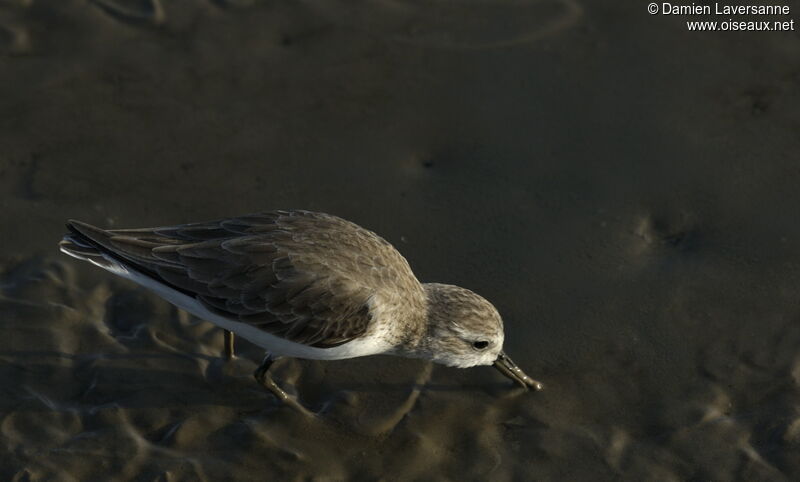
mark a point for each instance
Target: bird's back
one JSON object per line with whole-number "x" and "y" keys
{"x": 310, "y": 278}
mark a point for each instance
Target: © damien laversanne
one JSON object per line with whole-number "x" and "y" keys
{"x": 723, "y": 9}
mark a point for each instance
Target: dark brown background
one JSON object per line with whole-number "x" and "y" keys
{"x": 624, "y": 191}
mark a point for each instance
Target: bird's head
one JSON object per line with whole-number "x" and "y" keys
{"x": 465, "y": 330}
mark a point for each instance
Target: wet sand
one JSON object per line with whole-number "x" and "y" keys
{"x": 624, "y": 191}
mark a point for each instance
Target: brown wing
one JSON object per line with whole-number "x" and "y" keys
{"x": 306, "y": 277}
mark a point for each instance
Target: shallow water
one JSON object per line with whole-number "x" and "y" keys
{"x": 624, "y": 192}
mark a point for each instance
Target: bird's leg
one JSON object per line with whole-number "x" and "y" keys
{"x": 228, "y": 340}
{"x": 262, "y": 376}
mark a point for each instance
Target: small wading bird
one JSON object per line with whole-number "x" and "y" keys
{"x": 302, "y": 284}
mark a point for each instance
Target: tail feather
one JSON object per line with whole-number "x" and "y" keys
{"x": 80, "y": 246}
{"x": 89, "y": 234}
{"x": 74, "y": 248}
{"x": 102, "y": 248}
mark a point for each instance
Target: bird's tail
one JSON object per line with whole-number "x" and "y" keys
{"x": 80, "y": 246}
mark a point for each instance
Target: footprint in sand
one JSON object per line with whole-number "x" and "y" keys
{"x": 14, "y": 39}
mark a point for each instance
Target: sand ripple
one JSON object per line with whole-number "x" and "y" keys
{"x": 150, "y": 11}
{"x": 108, "y": 373}
{"x": 474, "y": 24}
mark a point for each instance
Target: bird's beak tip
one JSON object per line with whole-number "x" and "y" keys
{"x": 508, "y": 368}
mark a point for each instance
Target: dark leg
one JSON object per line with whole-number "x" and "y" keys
{"x": 228, "y": 340}
{"x": 262, "y": 376}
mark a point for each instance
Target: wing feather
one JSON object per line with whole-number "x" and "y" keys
{"x": 307, "y": 277}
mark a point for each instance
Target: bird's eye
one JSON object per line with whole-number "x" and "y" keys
{"x": 480, "y": 345}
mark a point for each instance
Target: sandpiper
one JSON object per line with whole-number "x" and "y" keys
{"x": 302, "y": 284}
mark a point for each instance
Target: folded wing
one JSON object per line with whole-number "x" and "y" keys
{"x": 306, "y": 277}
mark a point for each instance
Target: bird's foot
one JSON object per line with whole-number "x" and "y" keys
{"x": 262, "y": 376}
